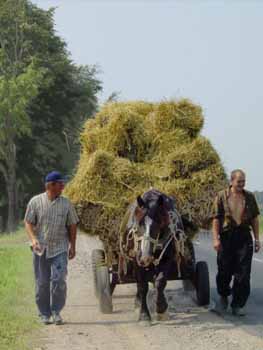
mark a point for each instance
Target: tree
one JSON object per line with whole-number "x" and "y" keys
{"x": 19, "y": 84}
{"x": 64, "y": 96}
{"x": 64, "y": 102}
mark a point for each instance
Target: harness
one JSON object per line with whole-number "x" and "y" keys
{"x": 176, "y": 234}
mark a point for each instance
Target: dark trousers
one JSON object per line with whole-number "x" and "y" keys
{"x": 234, "y": 260}
{"x": 50, "y": 277}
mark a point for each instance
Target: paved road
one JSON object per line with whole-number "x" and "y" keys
{"x": 86, "y": 328}
{"x": 253, "y": 322}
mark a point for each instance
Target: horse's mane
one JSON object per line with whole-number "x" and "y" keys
{"x": 153, "y": 195}
{"x": 150, "y": 197}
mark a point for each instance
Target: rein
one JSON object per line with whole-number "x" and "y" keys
{"x": 176, "y": 234}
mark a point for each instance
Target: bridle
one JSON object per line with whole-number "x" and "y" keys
{"x": 176, "y": 234}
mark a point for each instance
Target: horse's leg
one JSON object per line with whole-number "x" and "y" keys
{"x": 138, "y": 297}
{"x": 144, "y": 311}
{"x": 161, "y": 303}
{"x": 143, "y": 287}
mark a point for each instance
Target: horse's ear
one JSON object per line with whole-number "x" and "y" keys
{"x": 140, "y": 202}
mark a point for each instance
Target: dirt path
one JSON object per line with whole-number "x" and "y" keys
{"x": 190, "y": 327}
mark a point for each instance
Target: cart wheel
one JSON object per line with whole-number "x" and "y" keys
{"x": 97, "y": 259}
{"x": 202, "y": 283}
{"x": 190, "y": 247}
{"x": 104, "y": 290}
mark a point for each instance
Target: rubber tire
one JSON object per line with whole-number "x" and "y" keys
{"x": 97, "y": 259}
{"x": 202, "y": 283}
{"x": 191, "y": 250}
{"x": 104, "y": 289}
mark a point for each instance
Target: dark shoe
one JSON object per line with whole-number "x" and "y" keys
{"x": 45, "y": 319}
{"x": 221, "y": 305}
{"x": 144, "y": 316}
{"x": 224, "y": 302}
{"x": 239, "y": 311}
{"x": 57, "y": 319}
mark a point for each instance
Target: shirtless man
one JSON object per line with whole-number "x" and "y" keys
{"x": 235, "y": 212}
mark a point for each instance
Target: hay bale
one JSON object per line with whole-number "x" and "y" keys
{"x": 166, "y": 142}
{"x": 191, "y": 157}
{"x": 128, "y": 148}
{"x": 129, "y": 138}
{"x": 120, "y": 130}
{"x": 182, "y": 114}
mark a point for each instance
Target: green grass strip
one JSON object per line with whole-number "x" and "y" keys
{"x": 261, "y": 224}
{"x": 17, "y": 305}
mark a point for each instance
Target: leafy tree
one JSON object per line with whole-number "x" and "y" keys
{"x": 19, "y": 84}
{"x": 63, "y": 95}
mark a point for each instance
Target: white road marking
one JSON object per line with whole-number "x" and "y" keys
{"x": 258, "y": 260}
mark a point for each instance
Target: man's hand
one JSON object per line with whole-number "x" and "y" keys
{"x": 72, "y": 230}
{"x": 216, "y": 244}
{"x": 216, "y": 230}
{"x": 71, "y": 253}
{"x": 257, "y": 246}
{"x": 35, "y": 245}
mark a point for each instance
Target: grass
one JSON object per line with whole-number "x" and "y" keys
{"x": 17, "y": 305}
{"x": 261, "y": 224}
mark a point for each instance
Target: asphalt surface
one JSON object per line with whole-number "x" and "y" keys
{"x": 253, "y": 321}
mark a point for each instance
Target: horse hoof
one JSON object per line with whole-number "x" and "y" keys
{"x": 144, "y": 317}
{"x": 163, "y": 317}
{"x": 137, "y": 303}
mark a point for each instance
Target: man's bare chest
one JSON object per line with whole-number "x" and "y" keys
{"x": 236, "y": 205}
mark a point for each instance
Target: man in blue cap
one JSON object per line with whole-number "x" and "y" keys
{"x": 51, "y": 224}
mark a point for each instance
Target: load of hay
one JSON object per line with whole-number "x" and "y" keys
{"x": 130, "y": 147}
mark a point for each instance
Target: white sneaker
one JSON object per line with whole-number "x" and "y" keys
{"x": 44, "y": 319}
{"x": 224, "y": 302}
{"x": 57, "y": 319}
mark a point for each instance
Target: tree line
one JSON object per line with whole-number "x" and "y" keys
{"x": 44, "y": 100}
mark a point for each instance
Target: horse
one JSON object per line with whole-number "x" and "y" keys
{"x": 152, "y": 242}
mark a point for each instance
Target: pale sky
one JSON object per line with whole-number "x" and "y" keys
{"x": 208, "y": 51}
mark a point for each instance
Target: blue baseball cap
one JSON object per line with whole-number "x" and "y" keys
{"x": 54, "y": 176}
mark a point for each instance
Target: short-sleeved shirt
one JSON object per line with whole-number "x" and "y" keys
{"x": 51, "y": 220}
{"x": 221, "y": 210}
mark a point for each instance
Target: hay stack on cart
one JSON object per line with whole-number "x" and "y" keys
{"x": 131, "y": 146}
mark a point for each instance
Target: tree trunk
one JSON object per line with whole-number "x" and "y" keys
{"x": 11, "y": 189}
{"x": 12, "y": 205}
{"x": 17, "y": 208}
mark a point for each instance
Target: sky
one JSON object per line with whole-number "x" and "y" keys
{"x": 208, "y": 51}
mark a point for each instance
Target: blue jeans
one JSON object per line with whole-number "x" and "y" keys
{"x": 50, "y": 278}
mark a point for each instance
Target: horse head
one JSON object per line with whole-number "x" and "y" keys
{"x": 152, "y": 218}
